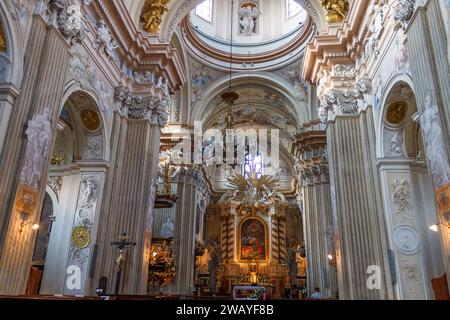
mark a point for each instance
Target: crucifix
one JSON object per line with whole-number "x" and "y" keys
{"x": 122, "y": 245}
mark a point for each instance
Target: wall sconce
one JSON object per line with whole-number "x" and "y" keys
{"x": 25, "y": 217}
{"x": 332, "y": 260}
{"x": 435, "y": 227}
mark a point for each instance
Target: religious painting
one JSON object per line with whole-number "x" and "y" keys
{"x": 443, "y": 201}
{"x": 397, "y": 112}
{"x": 91, "y": 120}
{"x": 253, "y": 240}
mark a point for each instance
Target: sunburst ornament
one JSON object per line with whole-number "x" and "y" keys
{"x": 253, "y": 193}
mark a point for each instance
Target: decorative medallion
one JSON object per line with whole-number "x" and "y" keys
{"x": 81, "y": 237}
{"x": 406, "y": 239}
{"x": 396, "y": 112}
{"x": 91, "y": 120}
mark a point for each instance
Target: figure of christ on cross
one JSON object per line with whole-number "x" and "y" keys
{"x": 122, "y": 245}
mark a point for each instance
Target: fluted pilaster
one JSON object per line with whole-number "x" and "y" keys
{"x": 184, "y": 242}
{"x": 312, "y": 166}
{"x": 128, "y": 204}
{"x": 362, "y": 249}
{"x": 46, "y": 66}
{"x": 430, "y": 72}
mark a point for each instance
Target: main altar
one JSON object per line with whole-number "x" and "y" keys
{"x": 253, "y": 236}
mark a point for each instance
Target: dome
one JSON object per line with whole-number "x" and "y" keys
{"x": 265, "y": 32}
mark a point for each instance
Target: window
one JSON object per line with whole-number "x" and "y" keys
{"x": 204, "y": 10}
{"x": 253, "y": 164}
{"x": 293, "y": 8}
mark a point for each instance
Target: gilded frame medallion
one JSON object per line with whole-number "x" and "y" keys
{"x": 81, "y": 237}
{"x": 91, "y": 120}
{"x": 396, "y": 112}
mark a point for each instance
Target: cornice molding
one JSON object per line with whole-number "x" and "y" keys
{"x": 338, "y": 46}
{"x": 135, "y": 49}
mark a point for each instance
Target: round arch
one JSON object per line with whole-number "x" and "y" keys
{"x": 268, "y": 80}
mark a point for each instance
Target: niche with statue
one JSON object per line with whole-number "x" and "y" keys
{"x": 249, "y": 13}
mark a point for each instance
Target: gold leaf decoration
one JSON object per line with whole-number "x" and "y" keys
{"x": 336, "y": 10}
{"x": 152, "y": 14}
{"x": 3, "y": 43}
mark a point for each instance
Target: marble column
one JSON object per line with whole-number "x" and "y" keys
{"x": 130, "y": 191}
{"x": 362, "y": 249}
{"x": 427, "y": 39}
{"x": 46, "y": 66}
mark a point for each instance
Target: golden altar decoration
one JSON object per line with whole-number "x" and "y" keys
{"x": 162, "y": 263}
{"x": 253, "y": 194}
{"x": 253, "y": 229}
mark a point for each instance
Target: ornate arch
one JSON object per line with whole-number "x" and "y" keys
{"x": 269, "y": 80}
{"x": 402, "y": 79}
{"x": 75, "y": 89}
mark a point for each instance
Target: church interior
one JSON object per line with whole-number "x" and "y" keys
{"x": 225, "y": 149}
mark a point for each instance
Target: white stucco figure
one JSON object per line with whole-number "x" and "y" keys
{"x": 435, "y": 144}
{"x": 39, "y": 136}
{"x": 167, "y": 229}
{"x": 247, "y": 17}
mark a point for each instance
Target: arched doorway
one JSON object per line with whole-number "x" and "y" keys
{"x": 74, "y": 188}
{"x": 416, "y": 252}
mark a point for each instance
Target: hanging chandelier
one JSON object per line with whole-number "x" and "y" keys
{"x": 229, "y": 98}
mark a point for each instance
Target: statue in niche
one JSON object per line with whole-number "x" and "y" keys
{"x": 167, "y": 229}
{"x": 247, "y": 19}
{"x": 435, "y": 143}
